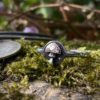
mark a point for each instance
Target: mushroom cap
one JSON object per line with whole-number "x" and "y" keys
{"x": 53, "y": 48}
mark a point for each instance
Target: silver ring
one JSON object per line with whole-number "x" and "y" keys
{"x": 55, "y": 52}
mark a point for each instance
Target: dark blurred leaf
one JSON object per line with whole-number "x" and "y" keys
{"x": 30, "y": 2}
{"x": 47, "y": 1}
{"x": 81, "y": 2}
{"x": 27, "y": 4}
{"x": 79, "y": 17}
{"x": 17, "y": 2}
{"x": 49, "y": 13}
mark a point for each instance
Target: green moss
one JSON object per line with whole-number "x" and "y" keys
{"x": 73, "y": 72}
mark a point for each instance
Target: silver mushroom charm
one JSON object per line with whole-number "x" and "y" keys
{"x": 55, "y": 52}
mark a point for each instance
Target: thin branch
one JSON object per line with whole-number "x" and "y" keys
{"x": 55, "y": 23}
{"x": 63, "y": 14}
{"x": 83, "y": 7}
{"x": 7, "y": 14}
{"x": 58, "y": 5}
{"x": 44, "y": 6}
{"x": 24, "y": 14}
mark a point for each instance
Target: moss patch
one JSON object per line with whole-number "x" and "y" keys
{"x": 73, "y": 72}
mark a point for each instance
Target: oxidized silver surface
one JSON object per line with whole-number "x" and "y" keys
{"x": 54, "y": 48}
{"x": 55, "y": 52}
{"x": 8, "y": 48}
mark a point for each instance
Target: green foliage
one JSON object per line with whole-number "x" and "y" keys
{"x": 31, "y": 1}
{"x": 3, "y": 22}
{"x": 8, "y": 4}
{"x": 73, "y": 72}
